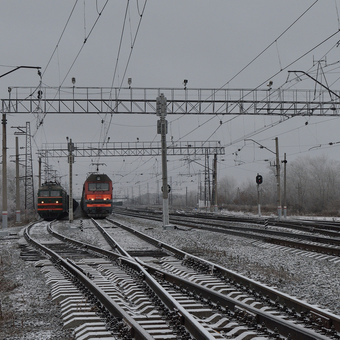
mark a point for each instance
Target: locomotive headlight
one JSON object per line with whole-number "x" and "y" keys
{"x": 57, "y": 201}
{"x": 105, "y": 199}
{"x": 42, "y": 202}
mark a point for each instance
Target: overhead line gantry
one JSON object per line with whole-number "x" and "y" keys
{"x": 101, "y": 100}
{"x": 123, "y": 149}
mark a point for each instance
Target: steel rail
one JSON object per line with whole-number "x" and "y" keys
{"x": 189, "y": 322}
{"x": 314, "y": 227}
{"x": 258, "y": 234}
{"x": 112, "y": 243}
{"x": 284, "y": 327}
{"x": 274, "y": 295}
{"x": 312, "y": 238}
{"x": 136, "y": 330}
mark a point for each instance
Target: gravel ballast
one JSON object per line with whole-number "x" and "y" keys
{"x": 26, "y": 309}
{"x": 27, "y": 312}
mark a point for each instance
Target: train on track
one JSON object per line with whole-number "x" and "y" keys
{"x": 96, "y": 198}
{"x": 53, "y": 201}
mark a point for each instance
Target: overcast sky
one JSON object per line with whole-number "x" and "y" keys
{"x": 207, "y": 42}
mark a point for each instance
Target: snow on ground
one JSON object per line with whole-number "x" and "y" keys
{"x": 308, "y": 278}
{"x": 26, "y": 311}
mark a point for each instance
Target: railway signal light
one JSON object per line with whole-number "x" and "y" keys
{"x": 161, "y": 105}
{"x": 259, "y": 179}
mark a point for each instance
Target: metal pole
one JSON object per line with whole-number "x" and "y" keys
{"x": 258, "y": 200}
{"x": 186, "y": 197}
{"x": 214, "y": 184}
{"x": 279, "y": 208}
{"x": 284, "y": 186}
{"x": 4, "y": 150}
{"x": 39, "y": 172}
{"x": 162, "y": 130}
{"x": 70, "y": 160}
{"x": 17, "y": 183}
{"x": 4, "y": 172}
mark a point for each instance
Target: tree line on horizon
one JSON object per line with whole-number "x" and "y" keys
{"x": 312, "y": 187}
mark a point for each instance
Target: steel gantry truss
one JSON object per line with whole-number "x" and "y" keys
{"x": 123, "y": 149}
{"x": 99, "y": 100}
{"x": 29, "y": 182}
{"x": 94, "y": 100}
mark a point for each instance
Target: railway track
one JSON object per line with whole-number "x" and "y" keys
{"x": 301, "y": 237}
{"x": 154, "y": 291}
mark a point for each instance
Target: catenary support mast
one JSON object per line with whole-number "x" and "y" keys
{"x": 162, "y": 129}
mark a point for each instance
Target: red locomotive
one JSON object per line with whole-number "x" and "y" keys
{"x": 96, "y": 199}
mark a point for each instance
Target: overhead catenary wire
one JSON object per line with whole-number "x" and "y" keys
{"x": 128, "y": 60}
{"x": 271, "y": 44}
{"x": 84, "y": 42}
{"x": 80, "y": 50}
{"x": 61, "y": 36}
{"x": 286, "y": 67}
{"x": 262, "y": 52}
{"x": 280, "y": 68}
{"x": 337, "y": 13}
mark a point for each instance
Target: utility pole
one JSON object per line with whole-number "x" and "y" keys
{"x": 279, "y": 208}
{"x": 28, "y": 178}
{"x": 284, "y": 186}
{"x": 207, "y": 192}
{"x": 259, "y": 180}
{"x": 214, "y": 184}
{"x": 258, "y": 200}
{"x": 17, "y": 182}
{"x": 162, "y": 129}
{"x": 4, "y": 149}
{"x": 4, "y": 172}
{"x": 70, "y": 161}
{"x": 186, "y": 197}
{"x": 39, "y": 180}
{"x": 277, "y": 165}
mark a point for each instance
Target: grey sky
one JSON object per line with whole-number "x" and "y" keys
{"x": 206, "y": 42}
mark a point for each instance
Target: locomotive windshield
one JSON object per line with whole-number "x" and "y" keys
{"x": 44, "y": 193}
{"x": 47, "y": 193}
{"x": 99, "y": 186}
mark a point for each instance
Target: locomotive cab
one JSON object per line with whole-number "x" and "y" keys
{"x": 52, "y": 201}
{"x": 97, "y": 196}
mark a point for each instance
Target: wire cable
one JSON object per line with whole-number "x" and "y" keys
{"x": 62, "y": 33}
{"x": 80, "y": 50}
{"x": 272, "y": 43}
{"x": 127, "y": 63}
{"x": 261, "y": 53}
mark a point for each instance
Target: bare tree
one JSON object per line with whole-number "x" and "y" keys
{"x": 313, "y": 184}
{"x": 226, "y": 191}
